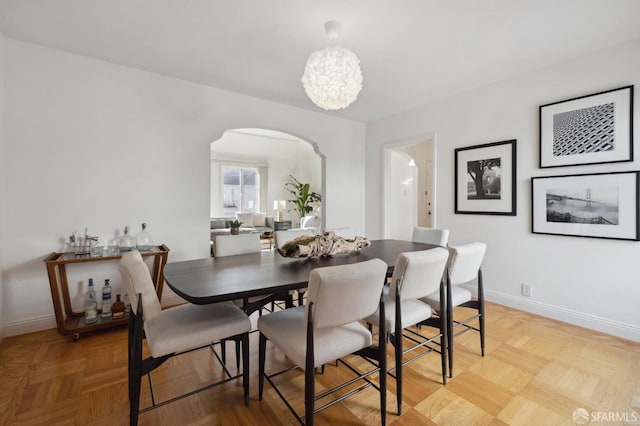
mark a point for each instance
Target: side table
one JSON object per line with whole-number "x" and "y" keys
{"x": 70, "y": 323}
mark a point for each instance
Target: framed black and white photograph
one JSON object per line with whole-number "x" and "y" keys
{"x": 485, "y": 177}
{"x": 599, "y": 205}
{"x": 591, "y": 129}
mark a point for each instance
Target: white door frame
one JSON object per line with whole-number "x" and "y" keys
{"x": 388, "y": 146}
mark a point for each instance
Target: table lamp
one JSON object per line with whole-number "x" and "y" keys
{"x": 277, "y": 204}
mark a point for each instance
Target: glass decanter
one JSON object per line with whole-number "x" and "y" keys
{"x": 144, "y": 242}
{"x": 127, "y": 242}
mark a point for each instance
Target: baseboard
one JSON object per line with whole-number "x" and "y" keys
{"x": 593, "y": 322}
{"x": 31, "y": 325}
{"x": 46, "y": 322}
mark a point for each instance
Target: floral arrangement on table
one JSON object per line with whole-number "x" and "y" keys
{"x": 322, "y": 245}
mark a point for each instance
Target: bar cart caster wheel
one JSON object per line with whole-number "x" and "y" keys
{"x": 75, "y": 337}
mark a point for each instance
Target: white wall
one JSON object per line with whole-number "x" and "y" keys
{"x": 591, "y": 282}
{"x": 2, "y": 200}
{"x": 89, "y": 143}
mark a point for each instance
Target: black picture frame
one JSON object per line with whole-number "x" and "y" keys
{"x": 595, "y": 205}
{"x": 591, "y": 129}
{"x": 498, "y": 195}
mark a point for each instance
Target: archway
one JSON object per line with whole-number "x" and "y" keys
{"x": 261, "y": 160}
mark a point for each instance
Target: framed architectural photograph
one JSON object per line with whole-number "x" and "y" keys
{"x": 485, "y": 179}
{"x": 591, "y": 129}
{"x": 599, "y": 205}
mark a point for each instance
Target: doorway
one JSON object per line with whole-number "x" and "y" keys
{"x": 409, "y": 186}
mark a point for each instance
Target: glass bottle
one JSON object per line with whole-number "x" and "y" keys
{"x": 91, "y": 305}
{"x": 144, "y": 242}
{"x": 127, "y": 242}
{"x": 97, "y": 248}
{"x": 113, "y": 246}
{"x": 106, "y": 299}
{"x": 117, "y": 310}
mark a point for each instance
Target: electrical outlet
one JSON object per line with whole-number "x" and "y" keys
{"x": 527, "y": 290}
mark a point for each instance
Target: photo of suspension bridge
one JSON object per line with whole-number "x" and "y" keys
{"x": 597, "y": 206}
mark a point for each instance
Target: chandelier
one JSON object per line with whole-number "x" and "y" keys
{"x": 332, "y": 78}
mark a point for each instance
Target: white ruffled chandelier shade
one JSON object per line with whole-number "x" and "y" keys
{"x": 332, "y": 77}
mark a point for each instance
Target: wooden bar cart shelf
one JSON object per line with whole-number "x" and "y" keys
{"x": 70, "y": 323}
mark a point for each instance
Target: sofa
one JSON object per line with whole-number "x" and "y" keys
{"x": 251, "y": 222}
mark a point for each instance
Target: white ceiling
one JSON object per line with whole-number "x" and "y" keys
{"x": 412, "y": 52}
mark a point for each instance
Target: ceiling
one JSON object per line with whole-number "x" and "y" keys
{"x": 412, "y": 52}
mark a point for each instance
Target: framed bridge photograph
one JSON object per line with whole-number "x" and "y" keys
{"x": 485, "y": 179}
{"x": 598, "y": 205}
{"x": 590, "y": 129}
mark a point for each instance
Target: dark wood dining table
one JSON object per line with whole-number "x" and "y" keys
{"x": 212, "y": 280}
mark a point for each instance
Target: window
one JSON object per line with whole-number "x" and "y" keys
{"x": 240, "y": 190}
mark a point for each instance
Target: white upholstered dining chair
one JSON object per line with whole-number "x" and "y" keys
{"x": 173, "y": 332}
{"x": 327, "y": 328}
{"x": 344, "y": 232}
{"x": 415, "y": 275}
{"x": 464, "y": 267}
{"x": 231, "y": 245}
{"x": 439, "y": 237}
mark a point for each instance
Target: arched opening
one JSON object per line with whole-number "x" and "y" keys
{"x": 249, "y": 169}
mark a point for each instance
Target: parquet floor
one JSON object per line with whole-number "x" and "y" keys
{"x": 536, "y": 372}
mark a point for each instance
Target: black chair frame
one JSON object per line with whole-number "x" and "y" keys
{"x": 370, "y": 354}
{"x": 138, "y": 367}
{"x": 452, "y": 324}
{"x": 249, "y": 309}
{"x": 421, "y": 342}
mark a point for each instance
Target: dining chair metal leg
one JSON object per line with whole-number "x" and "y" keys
{"x": 382, "y": 361}
{"x": 481, "y": 310}
{"x": 245, "y": 365}
{"x": 262, "y": 346}
{"x": 309, "y": 379}
{"x": 130, "y": 358}
{"x": 288, "y": 303}
{"x": 135, "y": 401}
{"x": 135, "y": 366}
{"x": 398, "y": 353}
{"x": 443, "y": 336}
{"x": 449, "y": 319}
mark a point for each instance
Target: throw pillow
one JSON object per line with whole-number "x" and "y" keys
{"x": 246, "y": 219}
{"x": 259, "y": 219}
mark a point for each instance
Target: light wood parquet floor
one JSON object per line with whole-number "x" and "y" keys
{"x": 536, "y": 371}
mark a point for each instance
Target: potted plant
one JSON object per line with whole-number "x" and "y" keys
{"x": 235, "y": 226}
{"x": 304, "y": 197}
